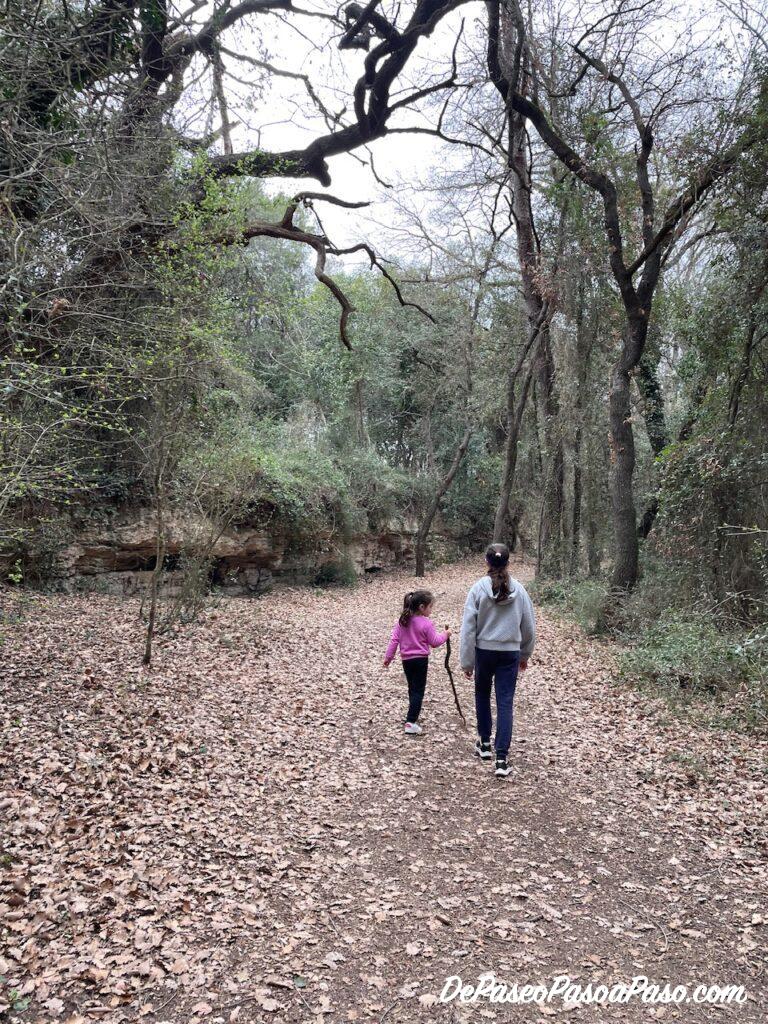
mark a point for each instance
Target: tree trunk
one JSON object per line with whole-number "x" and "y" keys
{"x": 154, "y": 583}
{"x": 745, "y": 368}
{"x": 577, "y": 498}
{"x": 217, "y": 68}
{"x": 584, "y": 342}
{"x": 514, "y": 423}
{"x": 359, "y": 413}
{"x": 551, "y": 531}
{"x": 539, "y": 311}
{"x": 423, "y": 533}
{"x": 653, "y": 399}
{"x": 625, "y": 567}
{"x": 594, "y": 554}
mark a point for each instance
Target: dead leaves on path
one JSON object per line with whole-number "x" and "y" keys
{"x": 243, "y": 834}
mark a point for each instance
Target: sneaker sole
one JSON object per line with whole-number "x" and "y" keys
{"x": 504, "y": 774}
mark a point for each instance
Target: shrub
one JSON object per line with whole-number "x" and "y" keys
{"x": 340, "y": 573}
{"x": 580, "y": 599}
{"x": 683, "y": 656}
{"x": 383, "y": 492}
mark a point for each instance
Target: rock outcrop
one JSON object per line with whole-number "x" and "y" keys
{"x": 116, "y": 554}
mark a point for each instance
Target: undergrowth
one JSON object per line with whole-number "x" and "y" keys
{"x": 700, "y": 664}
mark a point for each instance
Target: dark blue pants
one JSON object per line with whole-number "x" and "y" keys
{"x": 416, "y": 673}
{"x": 499, "y": 667}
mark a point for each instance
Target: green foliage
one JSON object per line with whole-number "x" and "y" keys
{"x": 337, "y": 573}
{"x": 298, "y": 485}
{"x": 685, "y": 658}
{"x": 12, "y": 997}
{"x": 580, "y": 599}
{"x": 682, "y": 651}
{"x": 695, "y": 661}
{"x": 383, "y": 492}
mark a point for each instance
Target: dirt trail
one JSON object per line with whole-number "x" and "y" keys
{"x": 246, "y": 834}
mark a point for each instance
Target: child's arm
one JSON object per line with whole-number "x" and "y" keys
{"x": 394, "y": 640}
{"x": 435, "y": 639}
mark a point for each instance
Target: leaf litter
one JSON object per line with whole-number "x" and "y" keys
{"x": 244, "y": 833}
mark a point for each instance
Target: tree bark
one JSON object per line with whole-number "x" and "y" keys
{"x": 650, "y": 390}
{"x": 538, "y": 308}
{"x": 584, "y": 342}
{"x": 551, "y": 532}
{"x": 575, "y": 553}
{"x": 154, "y": 583}
{"x": 655, "y": 420}
{"x": 514, "y": 422}
{"x": 359, "y": 413}
{"x": 626, "y": 552}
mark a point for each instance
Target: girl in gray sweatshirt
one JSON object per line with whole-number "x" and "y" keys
{"x": 498, "y": 633}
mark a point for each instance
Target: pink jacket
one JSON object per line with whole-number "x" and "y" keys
{"x": 415, "y": 639}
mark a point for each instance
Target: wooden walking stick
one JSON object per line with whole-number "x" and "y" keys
{"x": 450, "y": 676}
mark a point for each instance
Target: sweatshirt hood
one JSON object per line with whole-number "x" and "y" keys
{"x": 487, "y": 589}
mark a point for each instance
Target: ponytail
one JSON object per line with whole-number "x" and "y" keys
{"x": 414, "y": 600}
{"x": 497, "y": 560}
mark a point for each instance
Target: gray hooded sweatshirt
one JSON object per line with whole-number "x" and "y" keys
{"x": 508, "y": 625}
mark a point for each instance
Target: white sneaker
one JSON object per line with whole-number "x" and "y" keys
{"x": 413, "y": 729}
{"x": 483, "y": 750}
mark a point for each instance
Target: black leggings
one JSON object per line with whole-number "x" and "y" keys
{"x": 416, "y": 673}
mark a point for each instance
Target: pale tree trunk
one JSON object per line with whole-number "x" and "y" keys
{"x": 514, "y": 422}
{"x": 584, "y": 342}
{"x": 359, "y": 412}
{"x": 217, "y": 68}
{"x": 160, "y": 545}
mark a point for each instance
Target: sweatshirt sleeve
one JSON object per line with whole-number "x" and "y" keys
{"x": 394, "y": 640}
{"x": 527, "y": 626}
{"x": 433, "y": 638}
{"x": 468, "y": 632}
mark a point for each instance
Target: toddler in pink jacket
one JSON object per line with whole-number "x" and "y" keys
{"x": 415, "y": 634}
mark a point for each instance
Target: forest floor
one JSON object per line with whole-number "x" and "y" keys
{"x": 245, "y": 833}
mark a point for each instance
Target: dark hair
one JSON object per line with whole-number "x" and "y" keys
{"x": 413, "y": 600}
{"x": 497, "y": 560}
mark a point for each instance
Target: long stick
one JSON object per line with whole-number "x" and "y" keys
{"x": 450, "y": 676}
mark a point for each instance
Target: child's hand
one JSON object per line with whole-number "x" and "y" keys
{"x": 469, "y": 672}
{"x": 447, "y": 631}
{"x": 387, "y": 663}
{"x": 523, "y": 665}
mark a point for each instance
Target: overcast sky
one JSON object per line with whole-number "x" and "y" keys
{"x": 283, "y": 117}
{"x": 275, "y": 113}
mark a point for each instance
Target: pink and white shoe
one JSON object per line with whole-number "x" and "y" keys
{"x": 413, "y": 729}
